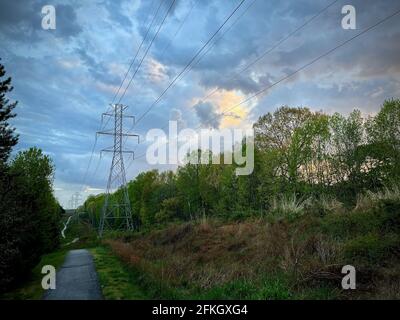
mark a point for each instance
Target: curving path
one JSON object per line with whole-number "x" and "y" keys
{"x": 65, "y": 227}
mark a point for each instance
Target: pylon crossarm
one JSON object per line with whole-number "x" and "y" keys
{"x": 123, "y": 151}
{"x": 106, "y": 114}
{"x": 112, "y": 133}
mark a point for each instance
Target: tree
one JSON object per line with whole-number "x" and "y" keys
{"x": 384, "y": 140}
{"x": 8, "y": 138}
{"x": 279, "y": 133}
{"x": 29, "y": 215}
{"x": 34, "y": 172}
{"x": 298, "y": 152}
{"x": 188, "y": 183}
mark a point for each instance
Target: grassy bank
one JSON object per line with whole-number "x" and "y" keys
{"x": 294, "y": 252}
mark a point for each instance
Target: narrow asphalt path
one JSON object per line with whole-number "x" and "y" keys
{"x": 76, "y": 279}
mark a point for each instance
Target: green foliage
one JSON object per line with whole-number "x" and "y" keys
{"x": 324, "y": 193}
{"x": 34, "y": 174}
{"x": 29, "y": 215}
{"x": 288, "y": 208}
{"x": 274, "y": 287}
{"x": 169, "y": 210}
{"x": 32, "y": 289}
{"x": 384, "y": 134}
{"x": 371, "y": 248}
{"x": 261, "y": 259}
{"x": 304, "y": 161}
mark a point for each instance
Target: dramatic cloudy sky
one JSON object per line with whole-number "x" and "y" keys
{"x": 65, "y": 78}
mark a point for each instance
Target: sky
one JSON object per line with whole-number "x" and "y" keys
{"x": 65, "y": 78}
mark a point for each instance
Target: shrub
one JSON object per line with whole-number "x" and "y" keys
{"x": 370, "y": 248}
{"x": 320, "y": 207}
{"x": 288, "y": 207}
{"x": 370, "y": 199}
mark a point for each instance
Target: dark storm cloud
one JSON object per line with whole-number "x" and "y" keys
{"x": 373, "y": 54}
{"x": 96, "y": 68}
{"x": 207, "y": 114}
{"x": 243, "y": 82}
{"x": 269, "y": 22}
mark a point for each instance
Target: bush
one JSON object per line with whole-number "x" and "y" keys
{"x": 324, "y": 206}
{"x": 380, "y": 216}
{"x": 370, "y": 248}
{"x": 369, "y": 199}
{"x": 288, "y": 208}
{"x": 169, "y": 210}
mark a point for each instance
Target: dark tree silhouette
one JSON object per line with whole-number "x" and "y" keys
{"x": 8, "y": 138}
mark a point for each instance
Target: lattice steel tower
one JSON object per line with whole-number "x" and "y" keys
{"x": 116, "y": 212}
{"x": 76, "y": 198}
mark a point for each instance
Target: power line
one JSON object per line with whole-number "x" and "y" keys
{"x": 142, "y": 59}
{"x": 137, "y": 51}
{"x": 312, "y": 61}
{"x": 120, "y": 86}
{"x": 234, "y": 76}
{"x": 147, "y": 50}
{"x": 221, "y": 36}
{"x": 265, "y": 53}
{"x": 134, "y": 59}
{"x": 262, "y": 55}
{"x": 145, "y": 54}
{"x": 189, "y": 63}
{"x": 177, "y": 30}
{"x": 302, "y": 67}
{"x": 173, "y": 37}
{"x": 196, "y": 55}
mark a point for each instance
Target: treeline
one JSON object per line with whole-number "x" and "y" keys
{"x": 300, "y": 156}
{"x": 29, "y": 214}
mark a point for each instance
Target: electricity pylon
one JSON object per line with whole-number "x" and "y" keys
{"x": 116, "y": 212}
{"x": 76, "y": 199}
{"x": 73, "y": 203}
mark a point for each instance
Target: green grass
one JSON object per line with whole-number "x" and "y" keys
{"x": 32, "y": 288}
{"x": 117, "y": 281}
{"x": 271, "y": 287}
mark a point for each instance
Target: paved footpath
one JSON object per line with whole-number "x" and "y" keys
{"x": 76, "y": 279}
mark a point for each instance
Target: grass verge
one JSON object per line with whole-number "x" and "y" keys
{"x": 116, "y": 280}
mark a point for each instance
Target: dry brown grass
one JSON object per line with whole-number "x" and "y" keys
{"x": 210, "y": 253}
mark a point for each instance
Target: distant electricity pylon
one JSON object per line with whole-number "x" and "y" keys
{"x": 116, "y": 213}
{"x": 75, "y": 200}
